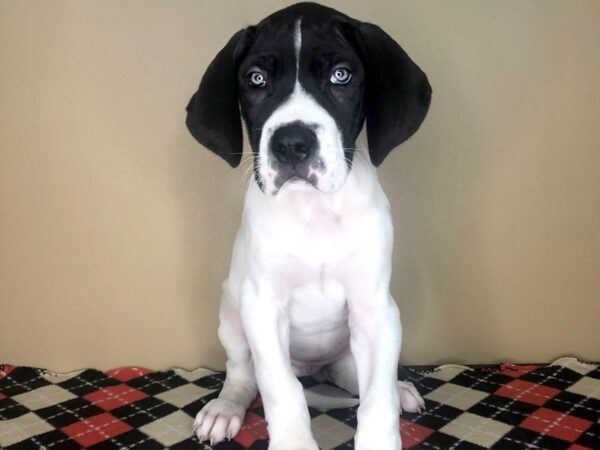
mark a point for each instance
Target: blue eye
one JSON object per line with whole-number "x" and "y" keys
{"x": 340, "y": 75}
{"x": 257, "y": 79}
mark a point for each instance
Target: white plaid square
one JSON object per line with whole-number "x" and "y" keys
{"x": 476, "y": 429}
{"x": 446, "y": 372}
{"x": 460, "y": 397}
{"x": 43, "y": 397}
{"x": 575, "y": 365}
{"x": 330, "y": 433}
{"x": 20, "y": 428}
{"x": 183, "y": 395}
{"x": 170, "y": 429}
{"x": 588, "y": 387}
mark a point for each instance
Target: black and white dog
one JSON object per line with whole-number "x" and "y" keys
{"x": 308, "y": 288}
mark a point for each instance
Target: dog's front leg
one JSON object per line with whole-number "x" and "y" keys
{"x": 375, "y": 331}
{"x": 265, "y": 319}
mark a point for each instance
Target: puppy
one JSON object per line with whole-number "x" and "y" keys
{"x": 308, "y": 288}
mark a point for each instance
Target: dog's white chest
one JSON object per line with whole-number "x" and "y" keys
{"x": 314, "y": 248}
{"x": 309, "y": 244}
{"x": 319, "y": 330}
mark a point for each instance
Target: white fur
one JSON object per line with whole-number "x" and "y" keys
{"x": 297, "y": 44}
{"x": 308, "y": 289}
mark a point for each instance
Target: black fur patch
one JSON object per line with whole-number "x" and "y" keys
{"x": 387, "y": 87}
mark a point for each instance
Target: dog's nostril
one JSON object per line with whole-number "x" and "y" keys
{"x": 297, "y": 148}
{"x": 280, "y": 149}
{"x": 293, "y": 143}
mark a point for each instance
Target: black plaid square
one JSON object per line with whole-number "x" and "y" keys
{"x": 518, "y": 438}
{"x": 212, "y": 381}
{"x": 9, "y": 409}
{"x": 87, "y": 382}
{"x": 437, "y": 415}
{"x": 21, "y": 380}
{"x": 590, "y": 438}
{"x": 473, "y": 379}
{"x": 595, "y": 373}
{"x": 157, "y": 382}
{"x": 68, "y": 412}
{"x": 345, "y": 415}
{"x": 575, "y": 405}
{"x": 509, "y": 411}
{"x": 143, "y": 411}
{"x": 425, "y": 385}
{"x": 133, "y": 439}
{"x": 557, "y": 377}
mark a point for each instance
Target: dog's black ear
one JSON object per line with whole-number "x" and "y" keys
{"x": 397, "y": 92}
{"x": 213, "y": 114}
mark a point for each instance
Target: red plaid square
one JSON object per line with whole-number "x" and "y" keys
{"x": 556, "y": 424}
{"x": 112, "y": 397}
{"x": 127, "y": 373}
{"x": 516, "y": 371}
{"x": 412, "y": 433}
{"x": 528, "y": 392}
{"x": 253, "y": 428}
{"x": 95, "y": 429}
{"x": 5, "y": 369}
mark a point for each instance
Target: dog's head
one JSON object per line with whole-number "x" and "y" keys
{"x": 305, "y": 79}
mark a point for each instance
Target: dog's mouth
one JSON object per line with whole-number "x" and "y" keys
{"x": 299, "y": 183}
{"x": 314, "y": 176}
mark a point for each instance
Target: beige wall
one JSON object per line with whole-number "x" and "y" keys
{"x": 116, "y": 226}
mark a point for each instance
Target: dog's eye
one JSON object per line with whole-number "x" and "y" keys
{"x": 341, "y": 75}
{"x": 257, "y": 79}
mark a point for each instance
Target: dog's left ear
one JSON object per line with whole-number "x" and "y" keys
{"x": 397, "y": 92}
{"x": 213, "y": 114}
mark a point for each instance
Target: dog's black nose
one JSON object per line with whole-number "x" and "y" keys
{"x": 291, "y": 144}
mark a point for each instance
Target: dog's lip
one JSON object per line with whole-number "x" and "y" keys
{"x": 297, "y": 183}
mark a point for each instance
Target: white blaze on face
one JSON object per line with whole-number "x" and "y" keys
{"x": 329, "y": 161}
{"x": 297, "y": 44}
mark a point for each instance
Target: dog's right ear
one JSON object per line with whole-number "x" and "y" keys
{"x": 213, "y": 114}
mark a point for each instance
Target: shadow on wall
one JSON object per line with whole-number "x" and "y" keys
{"x": 209, "y": 198}
{"x": 440, "y": 260}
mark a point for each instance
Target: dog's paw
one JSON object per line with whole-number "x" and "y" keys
{"x": 410, "y": 399}
{"x": 219, "y": 419}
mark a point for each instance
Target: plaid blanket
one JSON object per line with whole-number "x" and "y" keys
{"x": 554, "y": 406}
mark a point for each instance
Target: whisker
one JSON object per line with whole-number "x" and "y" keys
{"x": 359, "y": 152}
{"x": 237, "y": 153}
{"x": 245, "y": 159}
{"x": 247, "y": 175}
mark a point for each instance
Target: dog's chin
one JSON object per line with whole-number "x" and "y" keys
{"x": 298, "y": 184}
{"x": 301, "y": 184}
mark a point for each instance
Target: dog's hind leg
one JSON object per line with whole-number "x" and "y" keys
{"x": 222, "y": 417}
{"x": 343, "y": 374}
